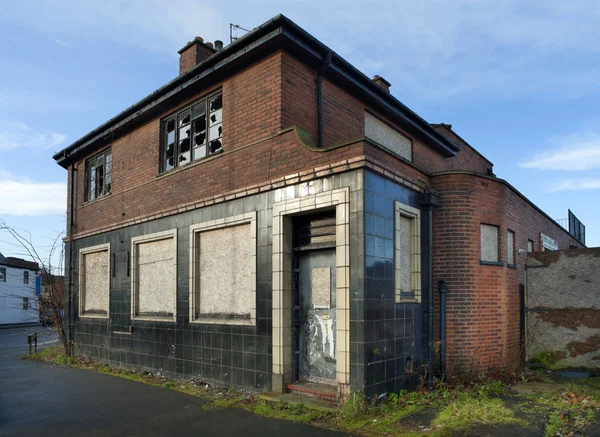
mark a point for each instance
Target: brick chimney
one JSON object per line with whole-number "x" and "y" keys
{"x": 193, "y": 53}
{"x": 382, "y": 83}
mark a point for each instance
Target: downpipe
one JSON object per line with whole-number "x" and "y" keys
{"x": 442, "y": 290}
{"x": 324, "y": 68}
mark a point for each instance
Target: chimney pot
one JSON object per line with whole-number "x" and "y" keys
{"x": 218, "y": 45}
{"x": 382, "y": 83}
{"x": 193, "y": 53}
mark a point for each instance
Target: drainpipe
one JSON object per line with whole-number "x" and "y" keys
{"x": 71, "y": 227}
{"x": 429, "y": 201}
{"x": 443, "y": 290}
{"x": 326, "y": 64}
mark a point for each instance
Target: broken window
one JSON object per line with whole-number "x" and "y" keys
{"x": 98, "y": 175}
{"x": 193, "y": 133}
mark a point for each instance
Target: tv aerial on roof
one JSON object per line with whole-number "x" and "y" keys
{"x": 234, "y": 32}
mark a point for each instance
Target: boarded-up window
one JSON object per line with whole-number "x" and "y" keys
{"x": 489, "y": 243}
{"x": 154, "y": 276}
{"x": 387, "y": 137}
{"x": 223, "y": 280}
{"x": 407, "y": 254}
{"x": 94, "y": 281}
{"x": 510, "y": 247}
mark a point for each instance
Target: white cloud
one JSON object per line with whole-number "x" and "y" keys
{"x": 22, "y": 196}
{"x": 152, "y": 24}
{"x": 14, "y": 135}
{"x": 431, "y": 50}
{"x": 569, "y": 185}
{"x": 577, "y": 153}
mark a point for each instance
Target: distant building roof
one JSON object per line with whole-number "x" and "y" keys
{"x": 18, "y": 263}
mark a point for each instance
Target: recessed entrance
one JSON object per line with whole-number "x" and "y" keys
{"x": 310, "y": 255}
{"x": 314, "y": 298}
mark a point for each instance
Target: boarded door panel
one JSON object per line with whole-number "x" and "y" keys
{"x": 317, "y": 316}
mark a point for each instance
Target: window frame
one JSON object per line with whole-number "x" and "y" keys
{"x": 414, "y": 214}
{"x": 498, "y": 260}
{"x": 25, "y": 276}
{"x": 26, "y": 304}
{"x": 532, "y": 244}
{"x": 511, "y": 260}
{"x": 175, "y": 117}
{"x": 2, "y": 274}
{"x": 81, "y": 286}
{"x": 194, "y": 259}
{"x": 106, "y": 175}
{"x": 134, "y": 273}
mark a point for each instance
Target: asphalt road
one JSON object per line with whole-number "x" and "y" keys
{"x": 38, "y": 399}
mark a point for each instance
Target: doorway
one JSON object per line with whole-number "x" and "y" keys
{"x": 314, "y": 298}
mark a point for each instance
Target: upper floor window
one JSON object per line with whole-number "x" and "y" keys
{"x": 98, "y": 175}
{"x": 193, "y": 133}
{"x": 2, "y": 274}
{"x": 25, "y": 277}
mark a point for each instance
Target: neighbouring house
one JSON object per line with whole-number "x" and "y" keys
{"x": 273, "y": 218}
{"x": 18, "y": 291}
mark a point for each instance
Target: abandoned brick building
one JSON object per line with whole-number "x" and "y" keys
{"x": 273, "y": 217}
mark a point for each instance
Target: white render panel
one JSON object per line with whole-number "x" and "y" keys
{"x": 388, "y": 137}
{"x": 225, "y": 271}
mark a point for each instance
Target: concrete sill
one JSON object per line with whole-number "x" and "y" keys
{"x": 490, "y": 263}
{"x": 512, "y": 266}
{"x": 166, "y": 319}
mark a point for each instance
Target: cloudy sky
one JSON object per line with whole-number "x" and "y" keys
{"x": 518, "y": 79}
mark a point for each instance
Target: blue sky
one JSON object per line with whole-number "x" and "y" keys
{"x": 519, "y": 80}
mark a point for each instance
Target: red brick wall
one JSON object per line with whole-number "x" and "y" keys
{"x": 467, "y": 159}
{"x": 482, "y": 300}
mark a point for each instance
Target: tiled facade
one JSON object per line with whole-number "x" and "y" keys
{"x": 271, "y": 171}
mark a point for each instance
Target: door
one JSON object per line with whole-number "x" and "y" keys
{"x": 316, "y": 316}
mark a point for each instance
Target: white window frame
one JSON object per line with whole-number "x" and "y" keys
{"x": 414, "y": 215}
{"x": 195, "y": 230}
{"x": 148, "y": 238}
{"x": 82, "y": 253}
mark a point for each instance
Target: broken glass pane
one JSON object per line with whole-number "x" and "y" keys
{"x": 200, "y": 125}
{"x": 215, "y": 132}
{"x": 169, "y": 156}
{"x": 184, "y": 152}
{"x": 100, "y": 180}
{"x": 217, "y": 116}
{"x": 184, "y": 118}
{"x": 171, "y": 131}
{"x": 214, "y": 146}
{"x": 216, "y": 103}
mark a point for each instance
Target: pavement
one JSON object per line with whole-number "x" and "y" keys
{"x": 38, "y": 399}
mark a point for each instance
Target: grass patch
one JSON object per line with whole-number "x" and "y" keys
{"x": 467, "y": 412}
{"x": 53, "y": 355}
{"x": 443, "y": 411}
